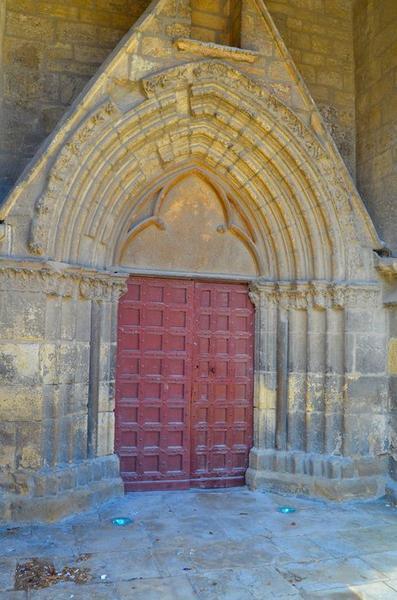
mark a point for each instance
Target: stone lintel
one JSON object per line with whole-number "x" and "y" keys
{"x": 211, "y": 50}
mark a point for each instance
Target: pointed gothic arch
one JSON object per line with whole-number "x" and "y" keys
{"x": 233, "y": 128}
{"x": 190, "y": 222}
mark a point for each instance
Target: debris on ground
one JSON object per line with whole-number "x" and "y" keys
{"x": 41, "y": 573}
{"x": 84, "y": 557}
{"x": 294, "y": 578}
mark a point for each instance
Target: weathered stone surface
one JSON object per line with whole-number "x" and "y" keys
{"x": 174, "y": 163}
{"x": 375, "y": 37}
{"x": 53, "y": 46}
{"x": 335, "y": 478}
{"x": 268, "y": 553}
{"x": 50, "y": 495}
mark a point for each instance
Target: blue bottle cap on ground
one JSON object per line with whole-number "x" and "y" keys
{"x": 122, "y": 521}
{"x": 286, "y": 510}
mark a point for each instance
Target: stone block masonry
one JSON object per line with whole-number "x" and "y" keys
{"x": 55, "y": 354}
{"x": 318, "y": 34}
{"x": 217, "y": 21}
{"x": 323, "y": 357}
{"x": 375, "y": 38}
{"x": 49, "y": 49}
{"x": 48, "y": 52}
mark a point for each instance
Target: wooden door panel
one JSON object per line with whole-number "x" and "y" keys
{"x": 153, "y": 387}
{"x": 221, "y": 430}
{"x": 184, "y": 384}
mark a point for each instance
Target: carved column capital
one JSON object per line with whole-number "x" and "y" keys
{"x": 108, "y": 288}
{"x": 53, "y": 279}
{"x": 317, "y": 295}
{"x": 261, "y": 291}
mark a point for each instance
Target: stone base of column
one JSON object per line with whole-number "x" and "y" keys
{"x": 52, "y": 494}
{"x": 333, "y": 478}
{"x": 391, "y": 491}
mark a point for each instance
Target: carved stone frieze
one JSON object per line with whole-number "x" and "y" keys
{"x": 42, "y": 277}
{"x": 102, "y": 289}
{"x": 316, "y": 295}
{"x": 215, "y": 71}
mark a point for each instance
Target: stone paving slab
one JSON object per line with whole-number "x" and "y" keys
{"x": 326, "y": 574}
{"x": 214, "y": 545}
{"x": 238, "y": 584}
{"x": 386, "y": 562}
{"x": 167, "y": 588}
{"x": 370, "y": 591}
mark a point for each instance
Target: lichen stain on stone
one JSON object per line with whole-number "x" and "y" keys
{"x": 31, "y": 320}
{"x": 8, "y": 372}
{"x": 296, "y": 391}
{"x": 267, "y": 397}
{"x": 392, "y": 357}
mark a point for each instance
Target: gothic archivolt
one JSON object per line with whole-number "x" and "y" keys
{"x": 206, "y": 114}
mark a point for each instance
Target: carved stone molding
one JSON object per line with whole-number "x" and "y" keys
{"x": 197, "y": 73}
{"x": 314, "y": 294}
{"x": 102, "y": 289}
{"x": 387, "y": 266}
{"x": 212, "y": 50}
{"x": 66, "y": 282}
{"x": 215, "y": 99}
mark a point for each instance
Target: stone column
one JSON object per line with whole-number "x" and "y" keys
{"x": 326, "y": 411}
{"x": 297, "y": 369}
{"x": 51, "y": 351}
{"x": 315, "y": 388}
{"x": 334, "y": 380}
{"x": 265, "y": 373}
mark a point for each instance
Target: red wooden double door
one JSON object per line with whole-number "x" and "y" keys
{"x": 184, "y": 384}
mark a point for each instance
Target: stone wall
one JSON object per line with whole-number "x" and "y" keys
{"x": 322, "y": 408}
{"x": 245, "y": 123}
{"x": 48, "y": 52}
{"x": 57, "y": 389}
{"x": 376, "y": 87}
{"x": 318, "y": 34}
{"x": 217, "y": 21}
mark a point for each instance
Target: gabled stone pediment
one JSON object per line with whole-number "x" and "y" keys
{"x": 159, "y": 102}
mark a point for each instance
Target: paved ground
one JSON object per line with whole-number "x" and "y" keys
{"x": 231, "y": 545}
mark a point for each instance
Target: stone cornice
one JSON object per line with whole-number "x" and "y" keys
{"x": 315, "y": 294}
{"x": 55, "y": 279}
